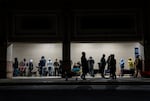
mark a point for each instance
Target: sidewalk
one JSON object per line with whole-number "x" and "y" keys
{"x": 126, "y": 80}
{"x": 60, "y": 84}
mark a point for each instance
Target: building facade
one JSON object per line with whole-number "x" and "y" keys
{"x": 64, "y": 21}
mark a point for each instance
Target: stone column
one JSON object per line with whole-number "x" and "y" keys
{"x": 66, "y": 42}
{"x": 9, "y": 69}
{"x": 146, "y": 13}
{"x": 3, "y": 40}
{"x": 3, "y": 49}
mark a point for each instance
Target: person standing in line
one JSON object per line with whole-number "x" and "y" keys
{"x": 103, "y": 64}
{"x": 15, "y": 67}
{"x": 131, "y": 66}
{"x": 113, "y": 66}
{"x": 30, "y": 67}
{"x": 56, "y": 67}
{"x": 138, "y": 66}
{"x": 84, "y": 64}
{"x": 25, "y": 63}
{"x": 42, "y": 65}
{"x": 60, "y": 67}
{"x": 91, "y": 65}
{"x": 50, "y": 67}
{"x": 108, "y": 64}
{"x": 21, "y": 68}
{"x": 122, "y": 63}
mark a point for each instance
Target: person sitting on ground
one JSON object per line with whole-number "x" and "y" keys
{"x": 76, "y": 69}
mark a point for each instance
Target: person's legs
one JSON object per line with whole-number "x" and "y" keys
{"x": 55, "y": 71}
{"x": 83, "y": 76}
{"x": 140, "y": 71}
{"x": 92, "y": 71}
{"x": 15, "y": 72}
{"x": 42, "y": 70}
{"x": 113, "y": 75}
{"x": 122, "y": 71}
{"x": 132, "y": 71}
{"x": 49, "y": 71}
{"x": 136, "y": 73}
{"x": 102, "y": 72}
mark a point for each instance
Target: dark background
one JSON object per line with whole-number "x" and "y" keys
{"x": 73, "y": 21}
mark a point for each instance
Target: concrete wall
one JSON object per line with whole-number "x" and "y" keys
{"x": 35, "y": 51}
{"x": 53, "y": 51}
{"x": 9, "y": 61}
{"x": 121, "y": 50}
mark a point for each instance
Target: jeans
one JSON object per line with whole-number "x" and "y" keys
{"x": 50, "y": 71}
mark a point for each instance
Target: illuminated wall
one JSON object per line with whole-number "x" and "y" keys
{"x": 51, "y": 50}
{"x": 34, "y": 51}
{"x": 121, "y": 50}
{"x": 9, "y": 61}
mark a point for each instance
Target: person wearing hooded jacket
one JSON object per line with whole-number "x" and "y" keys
{"x": 131, "y": 66}
{"x": 50, "y": 67}
{"x": 122, "y": 63}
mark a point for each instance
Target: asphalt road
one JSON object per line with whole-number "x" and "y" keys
{"x": 81, "y": 93}
{"x": 95, "y": 89}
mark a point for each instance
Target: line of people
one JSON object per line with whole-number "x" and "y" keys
{"x": 44, "y": 67}
{"x": 48, "y": 68}
{"x": 23, "y": 68}
{"x": 88, "y": 66}
{"x": 135, "y": 67}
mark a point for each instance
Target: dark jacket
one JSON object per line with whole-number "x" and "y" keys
{"x": 84, "y": 64}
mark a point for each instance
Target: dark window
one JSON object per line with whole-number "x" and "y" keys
{"x": 107, "y": 22}
{"x": 37, "y": 22}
